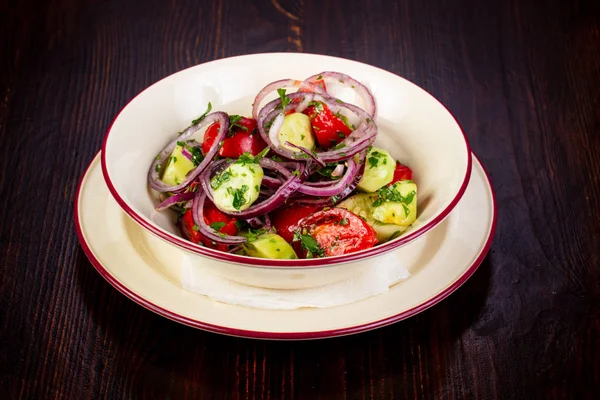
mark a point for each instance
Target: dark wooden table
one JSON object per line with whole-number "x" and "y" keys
{"x": 522, "y": 77}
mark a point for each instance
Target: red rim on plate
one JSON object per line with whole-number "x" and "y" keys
{"x": 283, "y": 335}
{"x": 300, "y": 263}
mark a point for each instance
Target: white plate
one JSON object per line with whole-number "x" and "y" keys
{"x": 126, "y": 255}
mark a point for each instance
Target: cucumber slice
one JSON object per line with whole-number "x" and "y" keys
{"x": 379, "y": 170}
{"x": 362, "y": 205}
{"x": 399, "y": 206}
{"x": 270, "y": 245}
{"x": 296, "y": 129}
{"x": 177, "y": 167}
{"x": 236, "y": 188}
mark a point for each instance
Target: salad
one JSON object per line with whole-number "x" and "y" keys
{"x": 299, "y": 178}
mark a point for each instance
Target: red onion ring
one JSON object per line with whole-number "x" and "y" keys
{"x": 359, "y": 139}
{"x": 308, "y": 153}
{"x": 336, "y": 188}
{"x": 176, "y": 198}
{"x": 153, "y": 176}
{"x": 283, "y": 83}
{"x": 346, "y": 80}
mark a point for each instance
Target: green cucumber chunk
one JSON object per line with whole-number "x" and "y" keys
{"x": 296, "y": 129}
{"x": 270, "y": 245}
{"x": 362, "y": 205}
{"x": 379, "y": 170}
{"x": 399, "y": 205}
{"x": 177, "y": 167}
{"x": 238, "y": 186}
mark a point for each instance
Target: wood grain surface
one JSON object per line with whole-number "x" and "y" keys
{"x": 521, "y": 76}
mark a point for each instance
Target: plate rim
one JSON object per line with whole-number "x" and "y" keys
{"x": 266, "y": 263}
{"x": 269, "y": 335}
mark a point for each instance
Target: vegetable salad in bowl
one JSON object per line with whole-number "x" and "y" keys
{"x": 299, "y": 178}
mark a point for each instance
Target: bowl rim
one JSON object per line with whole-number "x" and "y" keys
{"x": 194, "y": 248}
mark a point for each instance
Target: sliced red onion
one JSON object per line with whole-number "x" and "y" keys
{"x": 311, "y": 201}
{"x": 283, "y": 83}
{"x": 257, "y": 223}
{"x": 334, "y": 189}
{"x": 338, "y": 171}
{"x": 176, "y": 198}
{"x": 186, "y": 153}
{"x": 205, "y": 229}
{"x": 274, "y": 165}
{"x": 361, "y": 90}
{"x": 153, "y": 174}
{"x": 308, "y": 153}
{"x": 271, "y": 182}
{"x": 275, "y": 128}
{"x": 359, "y": 139}
{"x": 303, "y": 105}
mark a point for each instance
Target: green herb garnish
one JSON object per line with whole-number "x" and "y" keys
{"x": 217, "y": 225}
{"x": 387, "y": 193}
{"x": 238, "y": 196}
{"x": 285, "y": 100}
{"x": 309, "y": 243}
{"x": 200, "y": 118}
{"x": 219, "y": 179}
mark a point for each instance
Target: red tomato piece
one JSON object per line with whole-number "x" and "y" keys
{"x": 209, "y": 137}
{"x": 328, "y": 127}
{"x": 401, "y": 173}
{"x": 243, "y": 138}
{"x": 285, "y": 219}
{"x": 211, "y": 215}
{"x": 337, "y": 231}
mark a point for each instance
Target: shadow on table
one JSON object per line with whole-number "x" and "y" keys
{"x": 170, "y": 359}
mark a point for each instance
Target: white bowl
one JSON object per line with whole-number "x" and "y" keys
{"x": 413, "y": 126}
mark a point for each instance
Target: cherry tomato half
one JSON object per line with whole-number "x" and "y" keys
{"x": 337, "y": 231}
{"x": 328, "y": 127}
{"x": 285, "y": 219}
{"x": 211, "y": 215}
{"x": 243, "y": 138}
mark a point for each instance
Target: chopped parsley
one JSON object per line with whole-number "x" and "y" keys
{"x": 339, "y": 146}
{"x": 200, "y": 118}
{"x": 219, "y": 179}
{"x": 157, "y": 168}
{"x": 196, "y": 228}
{"x": 253, "y": 234}
{"x": 296, "y": 173}
{"x": 217, "y": 225}
{"x": 238, "y": 196}
{"x": 234, "y": 122}
{"x": 387, "y": 193}
{"x": 406, "y": 210}
{"x": 275, "y": 158}
{"x": 374, "y": 158}
{"x": 285, "y": 100}
{"x": 341, "y": 135}
{"x": 309, "y": 243}
{"x": 328, "y": 170}
{"x": 334, "y": 199}
{"x": 343, "y": 222}
{"x": 195, "y": 151}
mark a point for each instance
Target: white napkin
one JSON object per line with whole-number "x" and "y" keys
{"x": 383, "y": 272}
